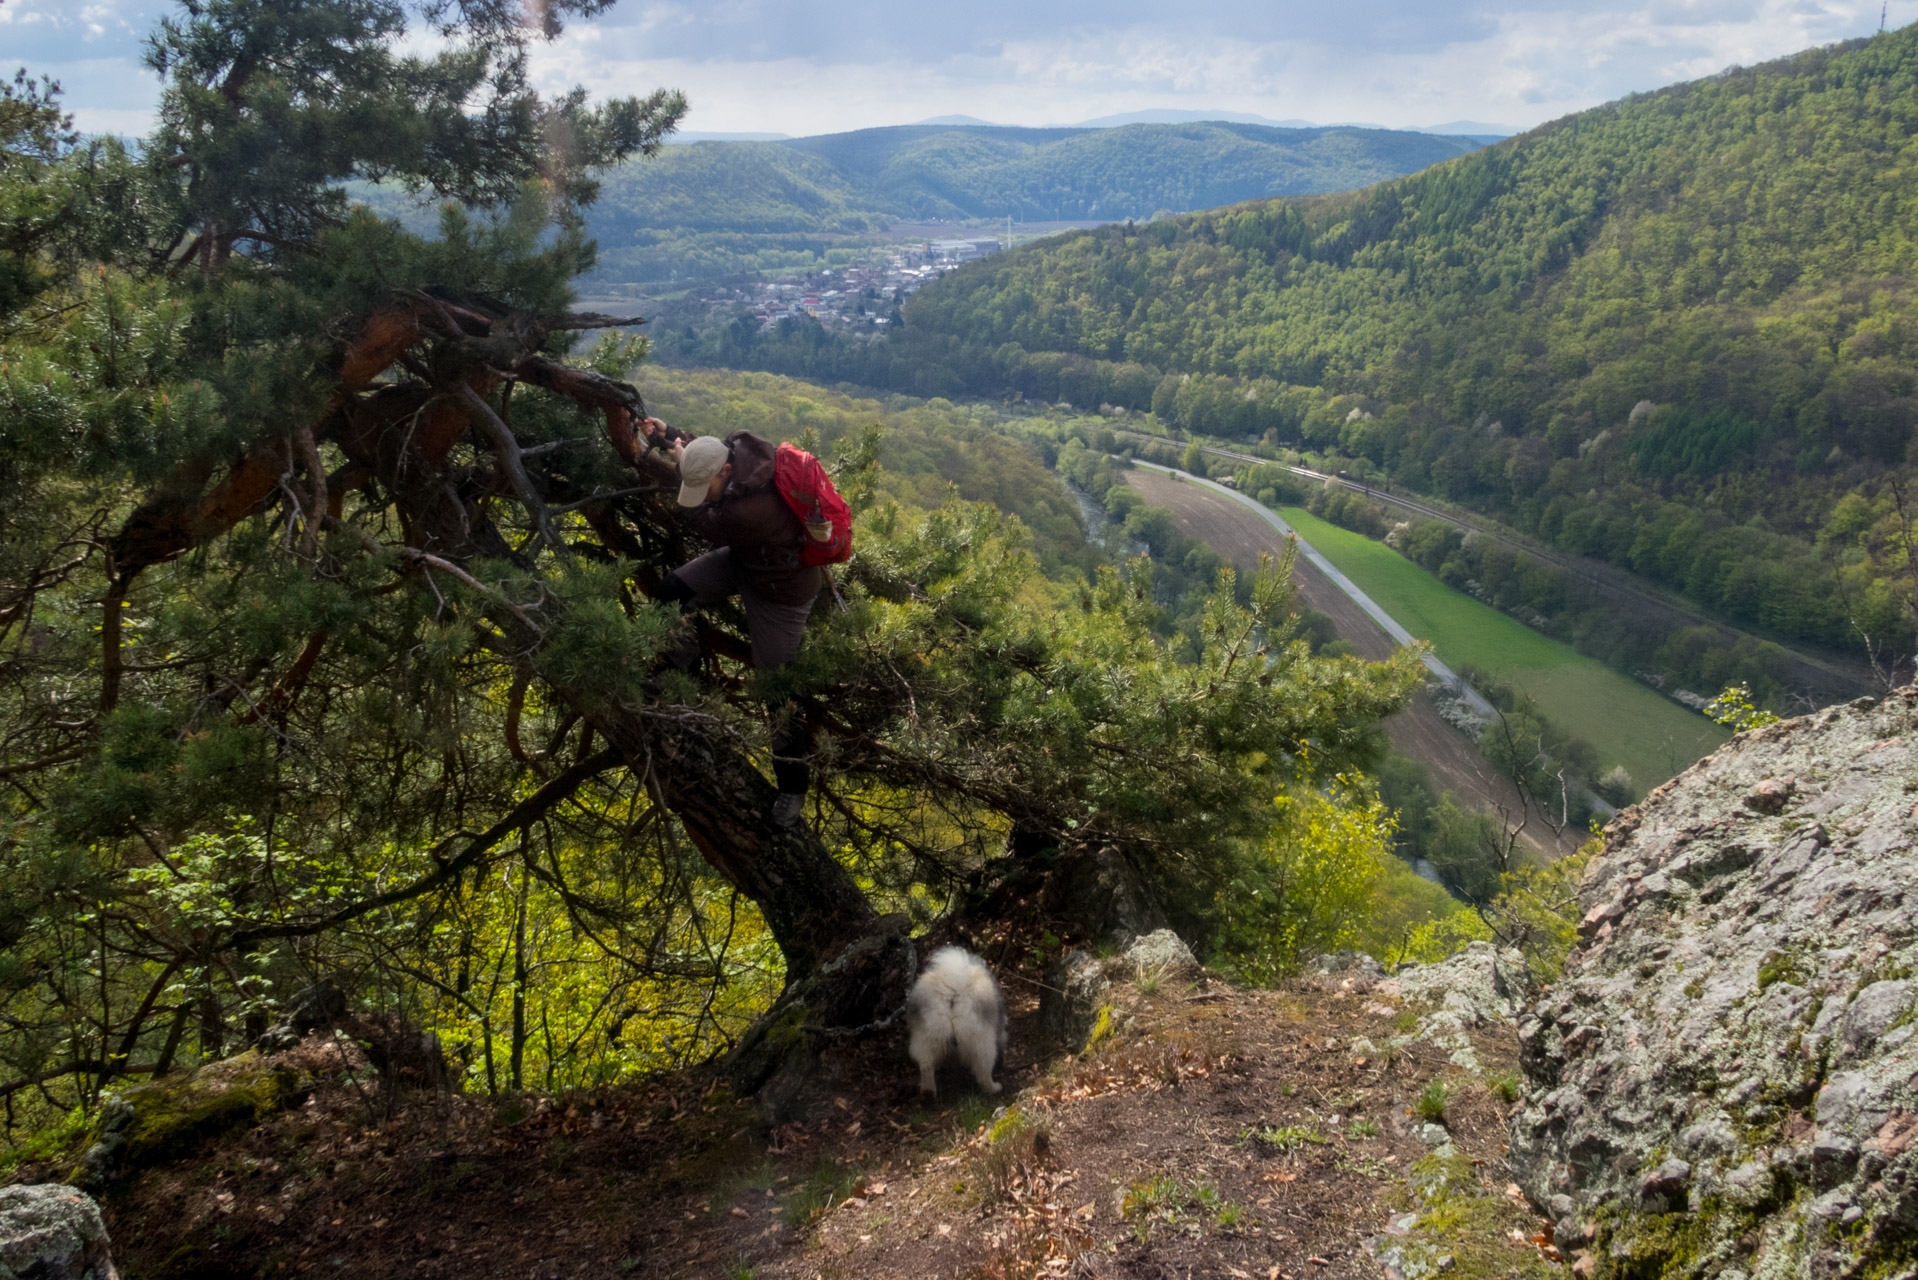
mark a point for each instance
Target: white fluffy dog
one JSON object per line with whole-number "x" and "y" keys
{"x": 956, "y": 1008}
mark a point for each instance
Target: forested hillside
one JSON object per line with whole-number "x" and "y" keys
{"x": 714, "y": 206}
{"x": 1676, "y": 332}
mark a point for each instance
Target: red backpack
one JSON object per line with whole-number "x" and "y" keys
{"x": 808, "y": 490}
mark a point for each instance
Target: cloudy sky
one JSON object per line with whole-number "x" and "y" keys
{"x": 799, "y": 67}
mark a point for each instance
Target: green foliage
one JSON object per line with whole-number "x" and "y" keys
{"x": 923, "y": 452}
{"x": 827, "y": 1185}
{"x": 323, "y": 89}
{"x": 1625, "y": 722}
{"x": 1628, "y": 333}
{"x": 1289, "y": 1137}
{"x": 1537, "y": 912}
{"x": 62, "y": 1136}
{"x": 1431, "y": 1103}
{"x": 1412, "y": 917}
{"x": 355, "y": 724}
{"x": 1571, "y": 607}
{"x": 1175, "y": 1203}
{"x": 1734, "y": 707}
{"x": 1443, "y": 937}
{"x": 1309, "y": 886}
{"x": 1102, "y": 1030}
{"x": 973, "y": 1112}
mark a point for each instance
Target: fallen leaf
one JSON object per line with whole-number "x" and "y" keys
{"x": 853, "y": 1128}
{"x": 739, "y": 1212}
{"x": 1087, "y": 1209}
{"x": 1317, "y": 1261}
{"x": 841, "y": 1103}
{"x": 875, "y": 1188}
{"x": 944, "y": 1228}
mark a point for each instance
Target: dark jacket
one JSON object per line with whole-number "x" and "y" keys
{"x": 754, "y": 521}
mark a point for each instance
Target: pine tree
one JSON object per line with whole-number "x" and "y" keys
{"x": 327, "y": 585}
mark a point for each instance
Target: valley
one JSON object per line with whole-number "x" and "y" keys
{"x": 498, "y": 787}
{"x": 1418, "y": 732}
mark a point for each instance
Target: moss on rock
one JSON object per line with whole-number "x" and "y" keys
{"x": 148, "y": 1125}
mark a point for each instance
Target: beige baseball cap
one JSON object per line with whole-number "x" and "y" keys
{"x": 699, "y": 462}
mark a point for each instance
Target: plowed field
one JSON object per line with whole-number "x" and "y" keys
{"x": 1238, "y": 534}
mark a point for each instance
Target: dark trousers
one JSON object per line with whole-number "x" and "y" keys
{"x": 775, "y": 631}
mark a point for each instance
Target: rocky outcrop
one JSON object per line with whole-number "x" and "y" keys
{"x": 1078, "y": 985}
{"x": 51, "y": 1232}
{"x": 1161, "y": 954}
{"x": 1722, "y": 1084}
{"x": 1096, "y": 895}
{"x": 161, "y": 1121}
{"x": 1448, "y": 999}
{"x": 1076, "y": 990}
{"x": 1475, "y": 988}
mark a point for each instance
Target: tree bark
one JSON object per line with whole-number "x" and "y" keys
{"x": 846, "y": 968}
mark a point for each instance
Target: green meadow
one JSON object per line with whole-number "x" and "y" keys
{"x": 1628, "y": 724}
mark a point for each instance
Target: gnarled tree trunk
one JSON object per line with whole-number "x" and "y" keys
{"x": 847, "y": 968}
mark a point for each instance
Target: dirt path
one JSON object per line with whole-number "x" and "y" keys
{"x": 1213, "y": 1132}
{"x": 1241, "y": 537}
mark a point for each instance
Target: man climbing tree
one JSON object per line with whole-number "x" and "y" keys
{"x": 332, "y": 603}
{"x": 762, "y": 553}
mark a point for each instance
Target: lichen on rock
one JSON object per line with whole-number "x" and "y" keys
{"x": 1721, "y": 1085}
{"x": 1475, "y": 988}
{"x": 51, "y": 1232}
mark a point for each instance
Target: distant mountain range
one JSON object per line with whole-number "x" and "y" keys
{"x": 1459, "y": 128}
{"x": 720, "y": 206}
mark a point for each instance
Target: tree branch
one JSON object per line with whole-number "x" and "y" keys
{"x": 522, "y": 815}
{"x": 514, "y": 465}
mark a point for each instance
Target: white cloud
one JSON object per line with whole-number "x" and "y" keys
{"x": 796, "y": 67}
{"x": 1519, "y": 66}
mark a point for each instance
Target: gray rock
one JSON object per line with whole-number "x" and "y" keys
{"x": 320, "y": 1005}
{"x": 51, "y": 1232}
{"x": 1477, "y": 987}
{"x": 1356, "y": 963}
{"x": 1095, "y": 894}
{"x": 1076, "y": 989}
{"x": 1737, "y": 1023}
{"x": 1160, "y": 952}
{"x": 1478, "y": 984}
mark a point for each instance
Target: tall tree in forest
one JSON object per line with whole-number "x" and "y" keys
{"x": 326, "y": 594}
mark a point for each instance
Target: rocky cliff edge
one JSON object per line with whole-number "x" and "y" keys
{"x": 1723, "y": 1083}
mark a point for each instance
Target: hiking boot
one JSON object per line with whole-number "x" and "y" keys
{"x": 786, "y": 808}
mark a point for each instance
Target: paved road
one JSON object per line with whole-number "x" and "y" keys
{"x": 1827, "y": 679}
{"x": 1472, "y": 696}
{"x": 1220, "y": 518}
